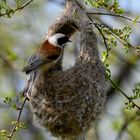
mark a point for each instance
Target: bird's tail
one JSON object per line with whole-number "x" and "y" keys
{"x": 29, "y": 85}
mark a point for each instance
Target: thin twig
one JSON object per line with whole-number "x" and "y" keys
{"x": 120, "y": 90}
{"x": 18, "y": 8}
{"x": 24, "y": 5}
{"x": 18, "y": 120}
{"x": 117, "y": 37}
{"x": 122, "y": 41}
{"x": 104, "y": 38}
{"x": 125, "y": 72}
{"x": 110, "y": 14}
{"x": 97, "y": 26}
{"x": 104, "y": 41}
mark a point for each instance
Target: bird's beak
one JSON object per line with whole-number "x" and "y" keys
{"x": 69, "y": 40}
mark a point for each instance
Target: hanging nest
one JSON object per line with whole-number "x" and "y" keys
{"x": 67, "y": 102}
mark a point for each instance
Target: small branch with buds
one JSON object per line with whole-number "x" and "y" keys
{"x": 18, "y": 120}
{"x": 105, "y": 43}
{"x": 113, "y": 15}
{"x": 120, "y": 90}
{"x": 18, "y": 8}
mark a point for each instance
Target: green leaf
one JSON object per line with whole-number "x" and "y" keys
{"x": 3, "y": 133}
{"x": 111, "y": 5}
{"x": 10, "y": 12}
{"x": 135, "y": 19}
{"x": 120, "y": 11}
{"x": 117, "y": 124}
{"x": 104, "y": 55}
{"x": 136, "y": 91}
{"x": 20, "y": 125}
{"x": 129, "y": 105}
{"x": 18, "y": 2}
{"x": 10, "y": 102}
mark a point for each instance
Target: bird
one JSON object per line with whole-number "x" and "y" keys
{"x": 48, "y": 55}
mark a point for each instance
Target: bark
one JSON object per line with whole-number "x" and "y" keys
{"x": 67, "y": 102}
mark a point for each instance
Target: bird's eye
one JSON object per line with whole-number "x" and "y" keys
{"x": 61, "y": 41}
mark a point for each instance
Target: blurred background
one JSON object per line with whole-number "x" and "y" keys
{"x": 23, "y": 33}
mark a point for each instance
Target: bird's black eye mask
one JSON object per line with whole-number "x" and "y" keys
{"x": 61, "y": 41}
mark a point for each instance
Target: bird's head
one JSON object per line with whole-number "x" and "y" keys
{"x": 59, "y": 40}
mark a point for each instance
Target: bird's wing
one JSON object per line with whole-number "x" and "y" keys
{"x": 34, "y": 63}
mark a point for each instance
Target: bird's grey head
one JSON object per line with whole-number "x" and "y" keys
{"x": 59, "y": 40}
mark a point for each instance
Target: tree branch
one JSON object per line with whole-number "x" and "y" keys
{"x": 127, "y": 97}
{"x": 113, "y": 15}
{"x": 18, "y": 8}
{"x": 18, "y": 120}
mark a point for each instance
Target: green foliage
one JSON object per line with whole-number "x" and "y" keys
{"x": 20, "y": 125}
{"x": 7, "y": 11}
{"x": 136, "y": 95}
{"x": 18, "y": 3}
{"x": 10, "y": 102}
{"x": 110, "y": 37}
{"x": 111, "y": 5}
{"x": 3, "y": 133}
{"x": 136, "y": 91}
{"x": 129, "y": 105}
{"x": 135, "y": 20}
{"x": 122, "y": 35}
{"x": 17, "y": 125}
{"x": 117, "y": 124}
{"x": 104, "y": 59}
